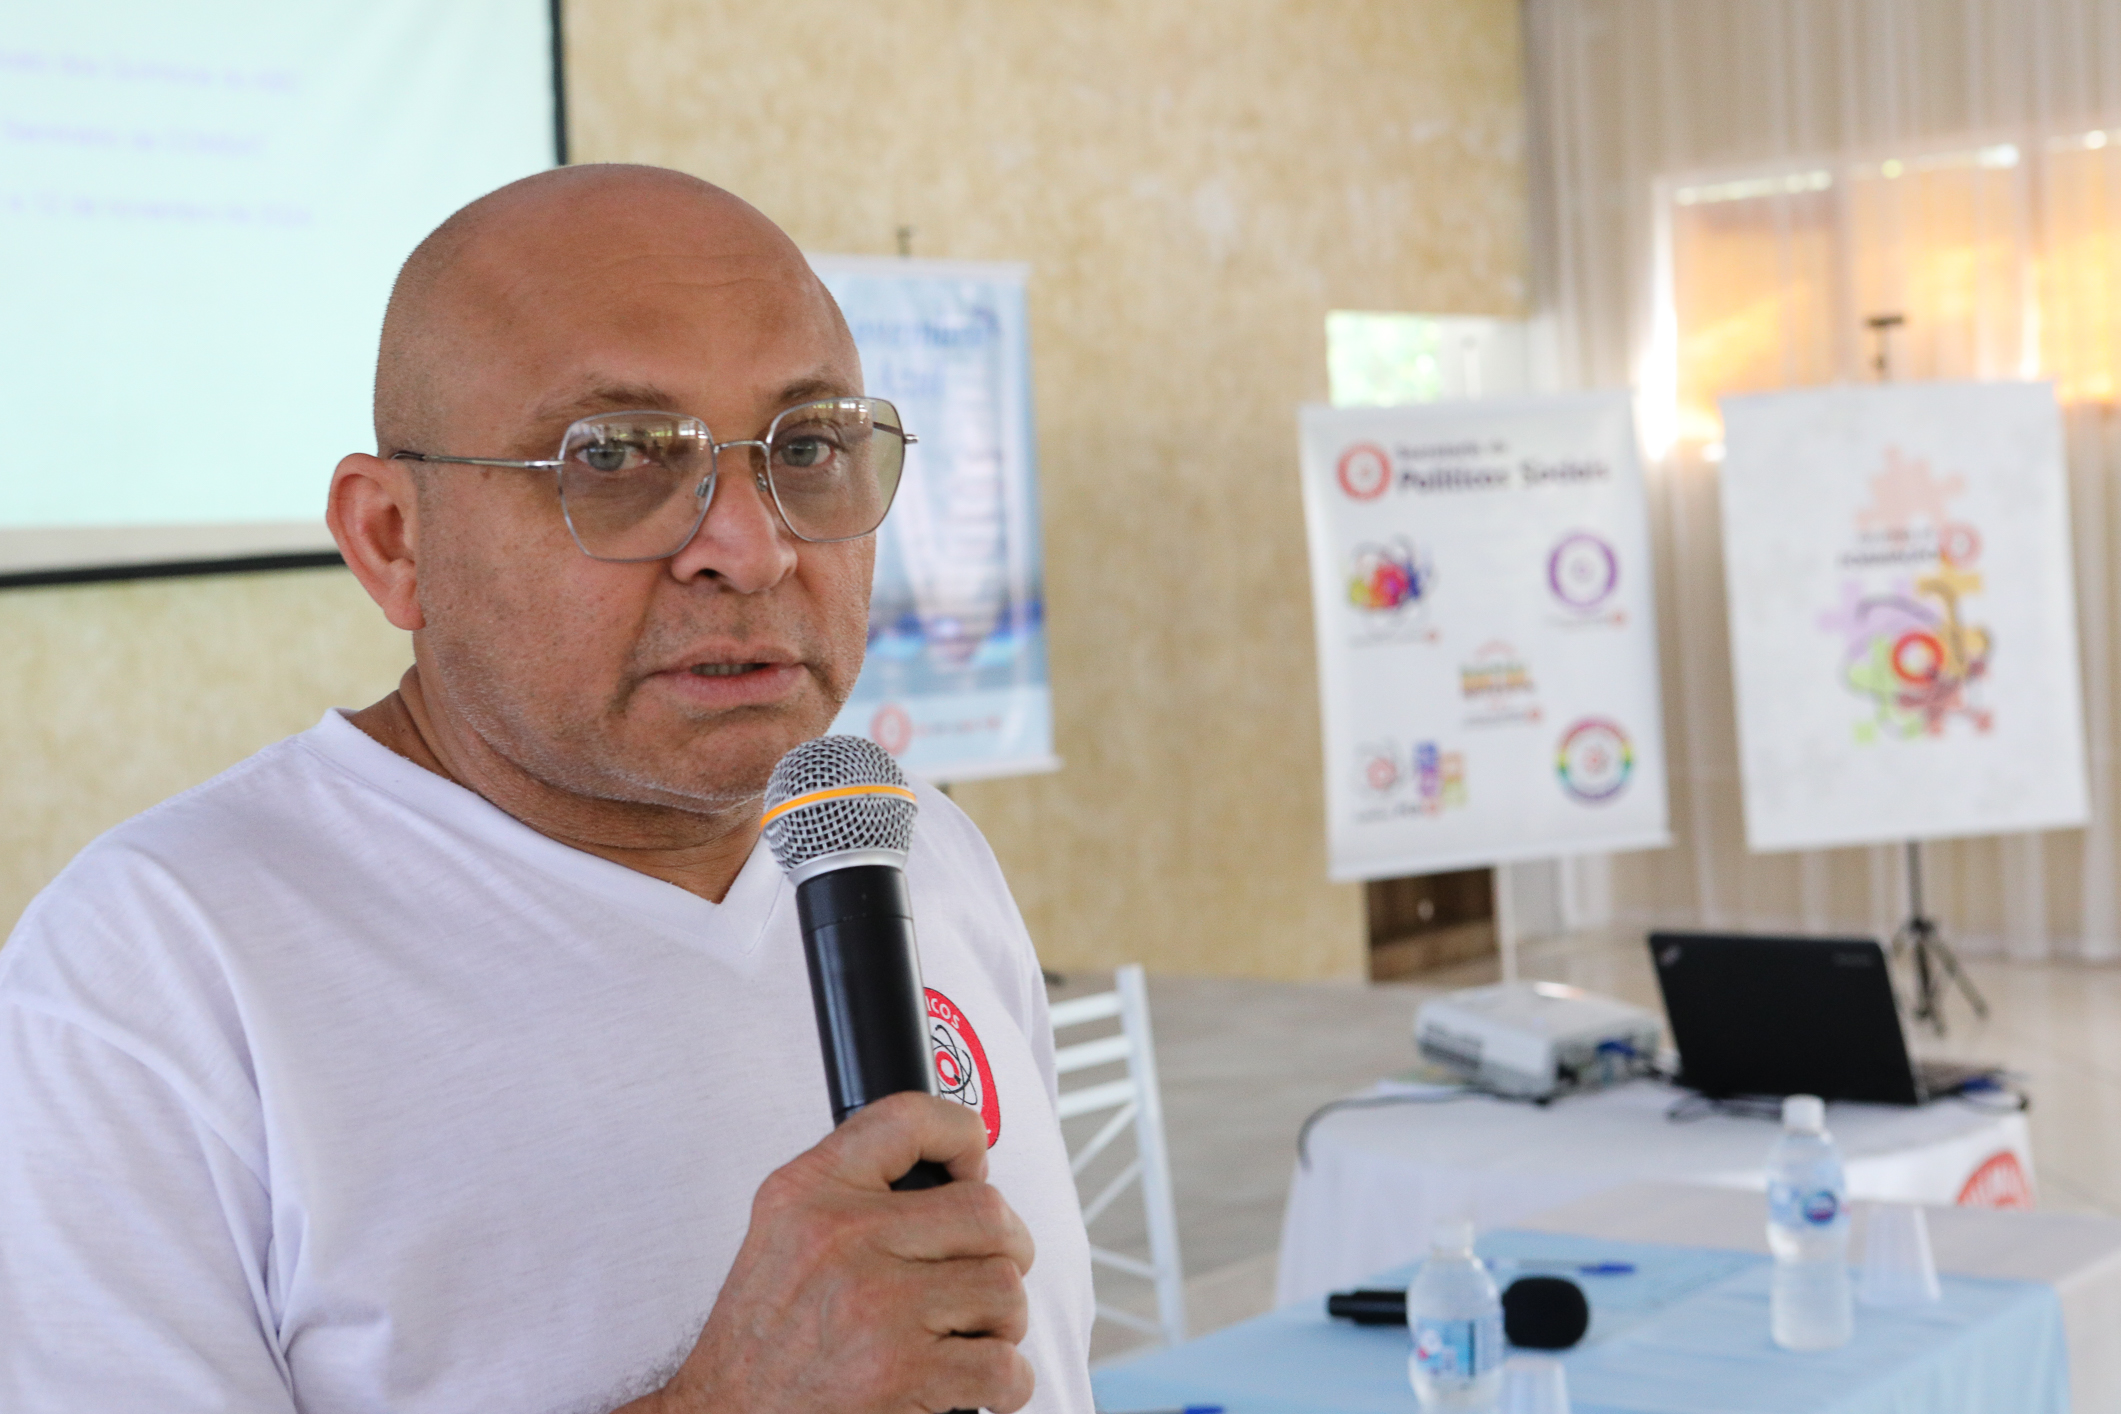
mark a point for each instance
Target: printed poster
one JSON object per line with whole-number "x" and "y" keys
{"x": 1487, "y": 643}
{"x": 1903, "y": 626}
{"x": 955, "y": 683}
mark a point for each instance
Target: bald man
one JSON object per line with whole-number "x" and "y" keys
{"x": 457, "y": 1055}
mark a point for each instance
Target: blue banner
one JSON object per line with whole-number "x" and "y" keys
{"x": 955, "y": 684}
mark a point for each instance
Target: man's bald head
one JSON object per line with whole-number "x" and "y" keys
{"x": 599, "y": 689}
{"x": 482, "y": 276}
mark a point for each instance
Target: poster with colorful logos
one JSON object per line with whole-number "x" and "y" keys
{"x": 1487, "y": 641}
{"x": 955, "y": 683}
{"x": 1903, "y": 625}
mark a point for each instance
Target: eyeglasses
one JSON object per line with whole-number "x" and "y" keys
{"x": 636, "y": 485}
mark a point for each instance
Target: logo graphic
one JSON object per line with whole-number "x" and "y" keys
{"x": 1905, "y": 493}
{"x": 1364, "y": 471}
{"x": 1379, "y": 769}
{"x": 1821, "y": 1207}
{"x": 1999, "y": 1183}
{"x": 1595, "y": 760}
{"x": 1439, "y": 778}
{"x": 891, "y": 728}
{"x": 1583, "y": 572}
{"x": 1909, "y": 649}
{"x": 1497, "y": 686}
{"x": 1388, "y": 578}
{"x": 1424, "y": 781}
{"x": 961, "y": 1071}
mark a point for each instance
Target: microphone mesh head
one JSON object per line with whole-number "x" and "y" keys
{"x": 834, "y": 823}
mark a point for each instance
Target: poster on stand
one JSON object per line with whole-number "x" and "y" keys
{"x": 1903, "y": 625}
{"x": 955, "y": 683}
{"x": 1487, "y": 646}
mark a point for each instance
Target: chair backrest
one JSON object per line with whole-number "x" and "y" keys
{"x": 1134, "y": 1102}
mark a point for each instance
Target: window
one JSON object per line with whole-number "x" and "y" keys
{"x": 1385, "y": 360}
{"x": 1999, "y": 257}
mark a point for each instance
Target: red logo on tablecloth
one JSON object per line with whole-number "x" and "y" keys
{"x": 961, "y": 1071}
{"x": 1998, "y": 1183}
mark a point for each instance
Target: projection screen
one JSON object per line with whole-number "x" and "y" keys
{"x": 202, "y": 207}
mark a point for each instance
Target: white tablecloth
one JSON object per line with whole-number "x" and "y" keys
{"x": 1379, "y": 1180}
{"x": 2079, "y": 1256}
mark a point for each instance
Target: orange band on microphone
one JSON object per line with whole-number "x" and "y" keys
{"x": 835, "y": 793}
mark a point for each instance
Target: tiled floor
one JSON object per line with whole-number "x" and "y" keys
{"x": 1243, "y": 1062}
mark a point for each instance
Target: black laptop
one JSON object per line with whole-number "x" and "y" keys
{"x": 1759, "y": 1015}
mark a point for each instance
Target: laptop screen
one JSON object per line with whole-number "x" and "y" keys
{"x": 1754, "y": 1015}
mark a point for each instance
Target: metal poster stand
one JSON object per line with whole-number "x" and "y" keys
{"x": 1505, "y": 923}
{"x": 1935, "y": 963}
{"x": 1919, "y": 938}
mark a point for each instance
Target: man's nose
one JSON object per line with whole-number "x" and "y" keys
{"x": 743, "y": 541}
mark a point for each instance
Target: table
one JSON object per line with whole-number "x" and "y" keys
{"x": 2031, "y": 1300}
{"x": 2078, "y": 1256}
{"x": 1379, "y": 1180}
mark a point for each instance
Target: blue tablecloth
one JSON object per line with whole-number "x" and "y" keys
{"x": 1685, "y": 1333}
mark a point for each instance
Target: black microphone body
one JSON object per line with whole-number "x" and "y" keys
{"x": 1368, "y": 1307}
{"x": 865, "y": 983}
{"x": 1538, "y": 1312}
{"x": 839, "y": 819}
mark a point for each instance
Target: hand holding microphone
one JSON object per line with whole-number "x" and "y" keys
{"x": 847, "y": 1295}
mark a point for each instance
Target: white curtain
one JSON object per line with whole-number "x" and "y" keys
{"x": 1724, "y": 193}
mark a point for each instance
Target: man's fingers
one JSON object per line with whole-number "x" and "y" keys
{"x": 880, "y": 1142}
{"x": 959, "y": 1221}
{"x": 891, "y": 1300}
{"x": 978, "y": 1374}
{"x": 981, "y": 1296}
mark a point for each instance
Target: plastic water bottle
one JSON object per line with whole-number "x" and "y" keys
{"x": 1808, "y": 1231}
{"x": 1455, "y": 1316}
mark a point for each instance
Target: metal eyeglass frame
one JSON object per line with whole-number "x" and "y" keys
{"x": 714, "y": 469}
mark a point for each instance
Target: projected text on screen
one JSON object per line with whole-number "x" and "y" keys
{"x": 201, "y": 211}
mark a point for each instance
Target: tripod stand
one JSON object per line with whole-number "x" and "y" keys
{"x": 1935, "y": 962}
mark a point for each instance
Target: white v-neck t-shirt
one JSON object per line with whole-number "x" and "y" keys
{"x": 328, "y": 1086}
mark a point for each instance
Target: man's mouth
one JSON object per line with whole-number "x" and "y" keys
{"x": 714, "y": 682}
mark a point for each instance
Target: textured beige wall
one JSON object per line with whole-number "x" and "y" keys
{"x": 115, "y": 696}
{"x": 1194, "y": 186}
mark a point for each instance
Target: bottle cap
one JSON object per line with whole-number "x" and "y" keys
{"x": 1804, "y": 1114}
{"x": 1453, "y": 1238}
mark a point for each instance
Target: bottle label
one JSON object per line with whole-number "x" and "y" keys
{"x": 1792, "y": 1206}
{"x": 1456, "y": 1353}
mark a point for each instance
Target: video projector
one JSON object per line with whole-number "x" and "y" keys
{"x": 1536, "y": 1040}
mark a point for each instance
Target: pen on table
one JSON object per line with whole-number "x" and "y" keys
{"x": 1582, "y": 1269}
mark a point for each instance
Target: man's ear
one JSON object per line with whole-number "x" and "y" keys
{"x": 373, "y": 512}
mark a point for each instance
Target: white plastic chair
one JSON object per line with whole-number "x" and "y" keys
{"x": 1134, "y": 1100}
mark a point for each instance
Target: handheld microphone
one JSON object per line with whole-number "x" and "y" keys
{"x": 1538, "y": 1312}
{"x": 839, "y": 818}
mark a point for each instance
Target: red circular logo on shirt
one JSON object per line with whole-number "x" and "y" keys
{"x": 961, "y": 1071}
